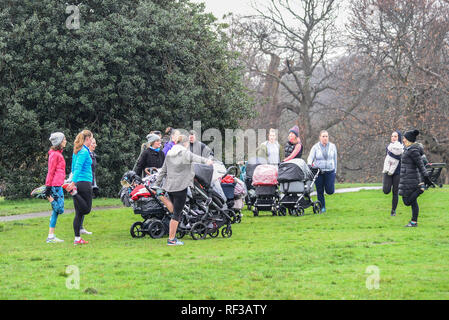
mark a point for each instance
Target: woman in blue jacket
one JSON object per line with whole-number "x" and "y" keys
{"x": 81, "y": 186}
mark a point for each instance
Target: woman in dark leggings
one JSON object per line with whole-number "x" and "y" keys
{"x": 391, "y": 182}
{"x": 81, "y": 187}
{"x": 412, "y": 171}
{"x": 178, "y": 173}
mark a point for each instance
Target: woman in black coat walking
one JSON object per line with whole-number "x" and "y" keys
{"x": 412, "y": 174}
{"x": 153, "y": 157}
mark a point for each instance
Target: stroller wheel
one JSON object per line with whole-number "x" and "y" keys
{"x": 256, "y": 212}
{"x": 238, "y": 218}
{"x": 317, "y": 207}
{"x": 226, "y": 232}
{"x": 214, "y": 233}
{"x": 137, "y": 230}
{"x": 198, "y": 231}
{"x": 156, "y": 229}
{"x": 300, "y": 212}
{"x": 180, "y": 234}
{"x": 282, "y": 211}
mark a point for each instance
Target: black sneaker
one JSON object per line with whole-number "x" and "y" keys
{"x": 412, "y": 224}
{"x": 393, "y": 213}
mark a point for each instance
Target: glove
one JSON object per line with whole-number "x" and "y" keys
{"x": 427, "y": 181}
{"x": 47, "y": 192}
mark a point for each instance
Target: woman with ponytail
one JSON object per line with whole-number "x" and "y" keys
{"x": 81, "y": 186}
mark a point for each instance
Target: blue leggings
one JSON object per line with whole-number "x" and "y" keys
{"x": 325, "y": 181}
{"x": 57, "y": 205}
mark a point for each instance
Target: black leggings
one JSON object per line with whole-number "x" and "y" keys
{"x": 178, "y": 199}
{"x": 391, "y": 183}
{"x": 412, "y": 200}
{"x": 83, "y": 204}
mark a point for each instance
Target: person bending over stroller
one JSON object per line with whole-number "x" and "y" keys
{"x": 178, "y": 171}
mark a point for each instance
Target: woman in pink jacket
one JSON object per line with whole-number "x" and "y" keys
{"x": 55, "y": 180}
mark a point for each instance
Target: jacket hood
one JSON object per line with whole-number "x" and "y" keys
{"x": 176, "y": 150}
{"x": 417, "y": 146}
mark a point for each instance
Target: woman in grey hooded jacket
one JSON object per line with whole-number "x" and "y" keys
{"x": 178, "y": 171}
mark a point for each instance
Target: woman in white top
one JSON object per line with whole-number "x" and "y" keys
{"x": 323, "y": 155}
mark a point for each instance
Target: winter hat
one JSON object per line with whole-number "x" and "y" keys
{"x": 56, "y": 138}
{"x": 411, "y": 135}
{"x": 295, "y": 130}
{"x": 152, "y": 138}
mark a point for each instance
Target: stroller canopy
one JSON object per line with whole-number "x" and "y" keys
{"x": 294, "y": 170}
{"x": 203, "y": 174}
{"x": 265, "y": 175}
{"x": 252, "y": 164}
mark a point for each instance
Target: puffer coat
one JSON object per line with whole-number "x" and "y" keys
{"x": 412, "y": 169}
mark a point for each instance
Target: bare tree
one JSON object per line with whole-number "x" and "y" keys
{"x": 296, "y": 39}
{"x": 406, "y": 44}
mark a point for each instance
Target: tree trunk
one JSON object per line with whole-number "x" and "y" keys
{"x": 269, "y": 111}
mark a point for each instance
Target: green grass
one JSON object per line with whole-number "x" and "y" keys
{"x": 356, "y": 185}
{"x": 9, "y": 208}
{"x": 15, "y": 207}
{"x": 270, "y": 258}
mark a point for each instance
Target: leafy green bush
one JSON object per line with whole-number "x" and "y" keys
{"x": 131, "y": 67}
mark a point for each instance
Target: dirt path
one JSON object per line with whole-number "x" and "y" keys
{"x": 48, "y": 213}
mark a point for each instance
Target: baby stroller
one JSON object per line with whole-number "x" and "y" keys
{"x": 434, "y": 171}
{"x": 250, "y": 167}
{"x": 228, "y": 184}
{"x": 141, "y": 196}
{"x": 209, "y": 203}
{"x": 265, "y": 183}
{"x": 296, "y": 182}
{"x": 144, "y": 202}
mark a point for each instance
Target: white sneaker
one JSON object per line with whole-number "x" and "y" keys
{"x": 54, "y": 240}
{"x": 84, "y": 231}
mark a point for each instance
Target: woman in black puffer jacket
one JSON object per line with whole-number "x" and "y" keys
{"x": 412, "y": 174}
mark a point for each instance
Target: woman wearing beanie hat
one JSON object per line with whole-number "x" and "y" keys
{"x": 412, "y": 169}
{"x": 54, "y": 181}
{"x": 153, "y": 157}
{"x": 293, "y": 148}
{"x": 392, "y": 168}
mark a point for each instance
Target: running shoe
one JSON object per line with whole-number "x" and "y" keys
{"x": 174, "y": 242}
{"x": 412, "y": 224}
{"x": 81, "y": 241}
{"x": 84, "y": 231}
{"x": 66, "y": 187}
{"x": 39, "y": 192}
{"x": 54, "y": 240}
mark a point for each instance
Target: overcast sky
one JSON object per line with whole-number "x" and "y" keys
{"x": 219, "y": 7}
{"x": 243, "y": 7}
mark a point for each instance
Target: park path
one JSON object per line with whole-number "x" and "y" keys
{"x": 48, "y": 213}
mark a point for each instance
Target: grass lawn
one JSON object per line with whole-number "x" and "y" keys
{"x": 10, "y": 207}
{"x": 269, "y": 258}
{"x": 31, "y": 205}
